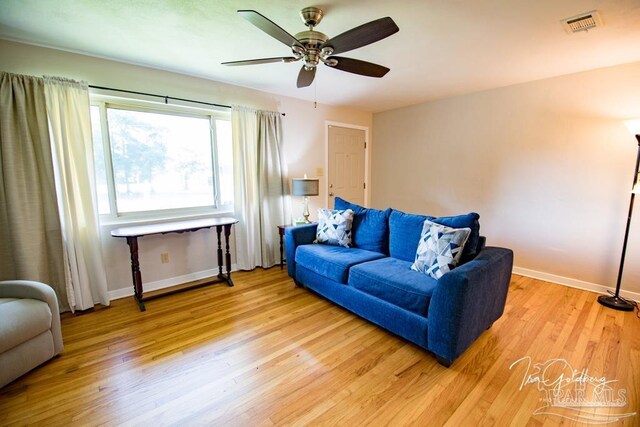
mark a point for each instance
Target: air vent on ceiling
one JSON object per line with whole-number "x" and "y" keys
{"x": 582, "y": 22}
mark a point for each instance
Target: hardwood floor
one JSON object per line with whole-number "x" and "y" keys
{"x": 268, "y": 353}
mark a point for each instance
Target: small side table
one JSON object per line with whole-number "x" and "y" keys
{"x": 281, "y": 229}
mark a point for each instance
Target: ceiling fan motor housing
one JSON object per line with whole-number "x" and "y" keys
{"x": 311, "y": 40}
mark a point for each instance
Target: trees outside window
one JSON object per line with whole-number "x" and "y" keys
{"x": 160, "y": 161}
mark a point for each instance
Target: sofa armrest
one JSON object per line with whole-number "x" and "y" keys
{"x": 40, "y": 291}
{"x": 294, "y": 237}
{"x": 482, "y": 243}
{"x": 467, "y": 301}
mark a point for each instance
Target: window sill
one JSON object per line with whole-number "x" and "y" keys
{"x": 107, "y": 221}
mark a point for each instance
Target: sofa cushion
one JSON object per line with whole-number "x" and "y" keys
{"x": 404, "y": 234}
{"x": 370, "y": 229}
{"x": 334, "y": 227}
{"x": 22, "y": 320}
{"x": 332, "y": 262}
{"x": 392, "y": 280}
{"x": 405, "y": 230}
{"x": 440, "y": 249}
{"x": 7, "y": 300}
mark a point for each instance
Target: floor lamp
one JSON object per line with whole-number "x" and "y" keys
{"x": 615, "y": 301}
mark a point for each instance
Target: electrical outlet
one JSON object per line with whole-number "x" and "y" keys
{"x": 164, "y": 257}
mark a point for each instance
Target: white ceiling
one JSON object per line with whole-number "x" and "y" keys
{"x": 444, "y": 47}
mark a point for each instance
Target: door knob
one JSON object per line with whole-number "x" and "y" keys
{"x": 330, "y": 194}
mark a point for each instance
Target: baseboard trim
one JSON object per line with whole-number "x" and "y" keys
{"x": 573, "y": 283}
{"x": 547, "y": 277}
{"x": 166, "y": 283}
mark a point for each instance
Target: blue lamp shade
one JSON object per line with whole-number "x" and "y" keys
{"x": 305, "y": 187}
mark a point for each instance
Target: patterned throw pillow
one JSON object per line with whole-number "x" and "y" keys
{"x": 440, "y": 249}
{"x": 334, "y": 227}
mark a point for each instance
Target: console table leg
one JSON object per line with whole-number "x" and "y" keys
{"x": 227, "y": 233}
{"x": 218, "y": 231}
{"x": 135, "y": 271}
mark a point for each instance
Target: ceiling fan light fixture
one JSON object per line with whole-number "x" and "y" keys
{"x": 326, "y": 51}
{"x": 311, "y": 58}
{"x": 331, "y": 62}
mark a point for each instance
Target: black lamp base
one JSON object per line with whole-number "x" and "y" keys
{"x": 615, "y": 303}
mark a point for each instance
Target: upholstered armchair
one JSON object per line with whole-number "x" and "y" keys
{"x": 30, "y": 332}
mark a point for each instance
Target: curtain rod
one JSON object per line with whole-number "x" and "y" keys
{"x": 165, "y": 97}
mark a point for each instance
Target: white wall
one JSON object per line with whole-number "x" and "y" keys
{"x": 548, "y": 165}
{"x": 303, "y": 140}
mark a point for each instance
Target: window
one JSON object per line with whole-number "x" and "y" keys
{"x": 156, "y": 161}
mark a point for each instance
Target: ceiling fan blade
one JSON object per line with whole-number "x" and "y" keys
{"x": 262, "y": 61}
{"x": 269, "y": 27}
{"x": 357, "y": 66}
{"x": 305, "y": 77}
{"x": 363, "y": 35}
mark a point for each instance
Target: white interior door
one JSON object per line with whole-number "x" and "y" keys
{"x": 345, "y": 173}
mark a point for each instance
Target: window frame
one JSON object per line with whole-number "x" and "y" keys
{"x": 103, "y": 102}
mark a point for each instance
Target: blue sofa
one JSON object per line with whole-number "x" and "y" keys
{"x": 374, "y": 280}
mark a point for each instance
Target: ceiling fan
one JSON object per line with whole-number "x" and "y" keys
{"x": 314, "y": 47}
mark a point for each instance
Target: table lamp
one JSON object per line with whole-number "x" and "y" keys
{"x": 615, "y": 301}
{"x": 305, "y": 187}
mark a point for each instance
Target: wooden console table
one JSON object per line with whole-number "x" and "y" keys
{"x": 132, "y": 233}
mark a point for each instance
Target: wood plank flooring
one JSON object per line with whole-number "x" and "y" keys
{"x": 267, "y": 353}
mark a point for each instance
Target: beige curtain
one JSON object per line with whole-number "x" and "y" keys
{"x": 260, "y": 186}
{"x": 68, "y": 110}
{"x": 30, "y": 233}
